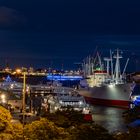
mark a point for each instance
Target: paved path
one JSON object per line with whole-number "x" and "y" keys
{"x": 29, "y": 117}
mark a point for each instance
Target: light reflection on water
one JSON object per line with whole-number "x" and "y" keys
{"x": 109, "y": 117}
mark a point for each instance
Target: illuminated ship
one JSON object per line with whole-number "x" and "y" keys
{"x": 67, "y": 98}
{"x": 12, "y": 86}
{"x": 12, "y": 91}
{"x": 105, "y": 87}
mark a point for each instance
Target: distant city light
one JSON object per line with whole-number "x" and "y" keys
{"x": 18, "y": 71}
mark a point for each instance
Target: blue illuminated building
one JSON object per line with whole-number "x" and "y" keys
{"x": 64, "y": 77}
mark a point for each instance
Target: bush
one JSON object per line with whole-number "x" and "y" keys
{"x": 89, "y": 132}
{"x": 5, "y": 118}
{"x": 9, "y": 131}
{"x": 43, "y": 130}
{"x": 66, "y": 125}
{"x": 66, "y": 118}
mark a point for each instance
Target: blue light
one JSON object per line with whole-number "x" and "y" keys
{"x": 137, "y": 101}
{"x": 8, "y": 79}
{"x": 63, "y": 77}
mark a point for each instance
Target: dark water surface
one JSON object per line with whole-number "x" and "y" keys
{"x": 109, "y": 117}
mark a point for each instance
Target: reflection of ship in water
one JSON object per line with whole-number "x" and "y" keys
{"x": 105, "y": 86}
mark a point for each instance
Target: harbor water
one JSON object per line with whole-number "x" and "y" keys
{"x": 110, "y": 118}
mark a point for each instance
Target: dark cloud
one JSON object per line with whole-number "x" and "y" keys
{"x": 67, "y": 31}
{"x": 11, "y": 18}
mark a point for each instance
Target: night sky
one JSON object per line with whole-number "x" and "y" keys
{"x": 42, "y": 33}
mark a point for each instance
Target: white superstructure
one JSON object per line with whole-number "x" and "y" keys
{"x": 65, "y": 98}
{"x": 98, "y": 76}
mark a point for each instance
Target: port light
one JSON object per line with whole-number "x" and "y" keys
{"x": 111, "y": 86}
{"x": 12, "y": 86}
{"x": 56, "y": 108}
{"x": 18, "y": 71}
{"x": 3, "y": 98}
{"x": 60, "y": 102}
{"x": 80, "y": 103}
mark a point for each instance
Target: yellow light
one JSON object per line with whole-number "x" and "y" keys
{"x": 3, "y": 96}
{"x": 18, "y": 71}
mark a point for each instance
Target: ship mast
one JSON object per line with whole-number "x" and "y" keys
{"x": 100, "y": 62}
{"x": 89, "y": 66}
{"x": 84, "y": 68}
{"x": 92, "y": 65}
{"x": 117, "y": 67}
{"x": 107, "y": 61}
{"x": 111, "y": 65}
{"x": 125, "y": 67}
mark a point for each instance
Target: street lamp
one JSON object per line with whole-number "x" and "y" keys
{"x": 23, "y": 97}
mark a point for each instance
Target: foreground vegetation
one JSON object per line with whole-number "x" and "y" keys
{"x": 66, "y": 125}
{"x": 8, "y": 130}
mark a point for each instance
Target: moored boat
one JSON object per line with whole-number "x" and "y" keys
{"x": 106, "y": 86}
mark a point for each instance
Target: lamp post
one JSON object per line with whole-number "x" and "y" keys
{"x": 23, "y": 97}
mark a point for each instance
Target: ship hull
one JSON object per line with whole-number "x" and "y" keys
{"x": 117, "y": 95}
{"x": 116, "y": 103}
